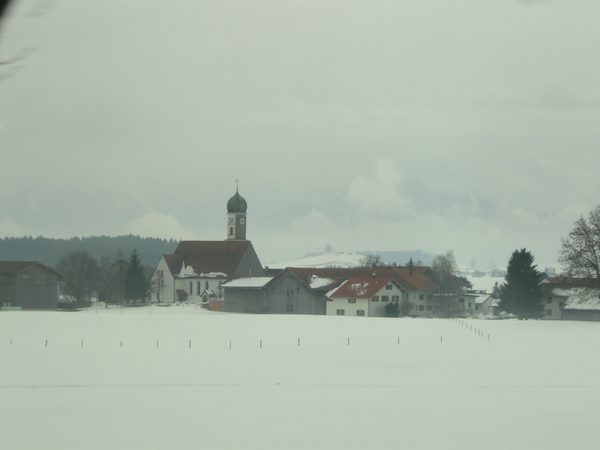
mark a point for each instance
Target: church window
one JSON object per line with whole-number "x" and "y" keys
{"x": 230, "y": 230}
{"x": 242, "y": 221}
{"x": 206, "y": 286}
{"x": 191, "y": 287}
{"x": 199, "y": 288}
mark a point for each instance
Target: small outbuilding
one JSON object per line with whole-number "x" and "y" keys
{"x": 28, "y": 285}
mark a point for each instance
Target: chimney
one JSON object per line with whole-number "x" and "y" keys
{"x": 373, "y": 276}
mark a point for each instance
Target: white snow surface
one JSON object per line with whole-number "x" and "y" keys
{"x": 248, "y": 282}
{"x": 245, "y": 383}
{"x": 318, "y": 282}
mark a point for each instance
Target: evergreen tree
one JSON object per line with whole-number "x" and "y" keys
{"x": 521, "y": 294}
{"x": 136, "y": 283}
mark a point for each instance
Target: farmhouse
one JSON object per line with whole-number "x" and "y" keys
{"x": 364, "y": 296}
{"x": 28, "y": 285}
{"x": 569, "y": 298}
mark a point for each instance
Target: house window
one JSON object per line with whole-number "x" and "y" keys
{"x": 351, "y": 300}
{"x": 429, "y": 307}
{"x": 395, "y": 298}
{"x": 385, "y": 298}
{"x": 421, "y": 297}
{"x": 289, "y": 307}
{"x": 469, "y": 304}
{"x": 429, "y": 296}
{"x": 561, "y": 304}
{"x": 548, "y": 312}
{"x": 375, "y": 298}
{"x": 360, "y": 312}
{"x": 421, "y": 307}
{"x": 388, "y": 287}
{"x": 340, "y": 312}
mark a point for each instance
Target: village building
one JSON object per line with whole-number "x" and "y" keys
{"x": 364, "y": 297}
{"x": 569, "y": 298}
{"x": 196, "y": 271}
{"x": 28, "y": 285}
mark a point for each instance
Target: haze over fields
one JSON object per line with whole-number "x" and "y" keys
{"x": 430, "y": 125}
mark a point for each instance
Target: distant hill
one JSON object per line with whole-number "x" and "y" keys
{"x": 401, "y": 258}
{"x": 49, "y": 251}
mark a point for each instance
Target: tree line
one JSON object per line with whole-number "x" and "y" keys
{"x": 48, "y": 251}
{"x": 115, "y": 279}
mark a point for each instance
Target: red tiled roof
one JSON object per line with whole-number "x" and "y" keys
{"x": 421, "y": 279}
{"x": 209, "y": 256}
{"x": 362, "y": 287}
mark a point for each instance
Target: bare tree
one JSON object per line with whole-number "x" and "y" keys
{"x": 445, "y": 268}
{"x": 80, "y": 274}
{"x": 111, "y": 279}
{"x": 579, "y": 253}
{"x": 370, "y": 261}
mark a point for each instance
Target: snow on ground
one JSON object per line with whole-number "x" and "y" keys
{"x": 400, "y": 383}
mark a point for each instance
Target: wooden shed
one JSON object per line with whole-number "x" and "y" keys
{"x": 28, "y": 285}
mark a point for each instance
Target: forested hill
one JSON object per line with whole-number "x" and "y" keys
{"x": 48, "y": 251}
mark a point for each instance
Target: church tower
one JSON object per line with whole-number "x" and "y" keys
{"x": 236, "y": 217}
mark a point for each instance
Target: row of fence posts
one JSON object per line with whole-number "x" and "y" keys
{"x": 260, "y": 342}
{"x": 470, "y": 327}
{"x": 459, "y": 321}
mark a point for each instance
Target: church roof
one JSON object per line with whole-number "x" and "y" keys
{"x": 208, "y": 256}
{"x": 237, "y": 204}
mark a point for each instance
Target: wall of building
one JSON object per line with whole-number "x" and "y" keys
{"x": 349, "y": 309}
{"x": 378, "y": 302}
{"x": 32, "y": 288}
{"x": 244, "y": 300}
{"x": 288, "y": 295}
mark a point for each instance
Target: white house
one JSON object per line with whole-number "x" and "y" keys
{"x": 363, "y": 296}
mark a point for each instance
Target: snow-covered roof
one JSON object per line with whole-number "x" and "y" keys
{"x": 318, "y": 282}
{"x": 250, "y": 282}
{"x": 481, "y": 299}
{"x": 582, "y": 298}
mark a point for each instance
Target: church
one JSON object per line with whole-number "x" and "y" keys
{"x": 197, "y": 269}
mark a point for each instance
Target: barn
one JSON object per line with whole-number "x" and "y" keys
{"x": 28, "y": 285}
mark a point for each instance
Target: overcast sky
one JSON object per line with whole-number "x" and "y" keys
{"x": 465, "y": 125}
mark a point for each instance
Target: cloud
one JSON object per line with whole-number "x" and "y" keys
{"x": 156, "y": 224}
{"x": 10, "y": 228}
{"x": 378, "y": 192}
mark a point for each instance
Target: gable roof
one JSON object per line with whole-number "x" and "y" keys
{"x": 208, "y": 256}
{"x": 14, "y": 267}
{"x": 419, "y": 280}
{"x": 361, "y": 287}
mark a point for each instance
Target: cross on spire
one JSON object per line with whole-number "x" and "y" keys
{"x": 237, "y": 184}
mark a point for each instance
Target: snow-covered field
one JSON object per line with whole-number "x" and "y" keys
{"x": 128, "y": 379}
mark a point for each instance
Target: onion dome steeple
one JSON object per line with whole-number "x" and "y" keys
{"x": 237, "y": 204}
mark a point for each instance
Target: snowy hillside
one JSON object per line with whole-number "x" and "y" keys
{"x": 173, "y": 378}
{"x": 333, "y": 259}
